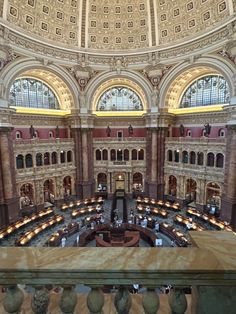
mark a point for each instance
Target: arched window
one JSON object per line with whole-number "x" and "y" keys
{"x": 185, "y": 157}
{"x": 134, "y": 154}
{"x": 36, "y": 134}
{"x": 104, "y": 154}
{"x": 176, "y": 155}
{"x": 169, "y": 155}
{"x": 192, "y": 158}
{"x": 219, "y": 160}
{"x": 189, "y": 133}
{"x": 140, "y": 154}
{"x": 207, "y": 90}
{"x": 200, "y": 159}
{"x": 18, "y": 135}
{"x": 28, "y": 161}
{"x": 69, "y": 156}
{"x": 119, "y": 98}
{"x": 29, "y": 92}
{"x": 221, "y": 133}
{"x": 46, "y": 159}
{"x": 51, "y": 134}
{"x": 19, "y": 162}
{"x": 39, "y": 159}
{"x": 119, "y": 154}
{"x": 210, "y": 159}
{"x": 126, "y": 154}
{"x": 113, "y": 154}
{"x": 63, "y": 156}
{"x": 54, "y": 158}
{"x": 98, "y": 154}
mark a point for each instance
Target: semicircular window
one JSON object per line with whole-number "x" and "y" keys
{"x": 205, "y": 91}
{"x": 119, "y": 98}
{"x": 29, "y": 92}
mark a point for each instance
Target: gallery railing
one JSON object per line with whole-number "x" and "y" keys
{"x": 211, "y": 274}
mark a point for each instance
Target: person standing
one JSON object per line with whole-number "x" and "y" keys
{"x": 63, "y": 242}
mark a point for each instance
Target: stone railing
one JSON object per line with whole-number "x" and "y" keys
{"x": 209, "y": 269}
{"x": 38, "y": 141}
{"x": 118, "y": 139}
{"x": 191, "y": 140}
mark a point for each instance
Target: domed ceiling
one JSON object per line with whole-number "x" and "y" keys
{"x": 116, "y": 25}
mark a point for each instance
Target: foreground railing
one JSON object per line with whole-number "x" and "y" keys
{"x": 211, "y": 274}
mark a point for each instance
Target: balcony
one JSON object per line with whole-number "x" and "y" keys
{"x": 37, "y": 141}
{"x": 119, "y": 164}
{"x": 209, "y": 268}
{"x": 193, "y": 140}
{"x": 98, "y": 140}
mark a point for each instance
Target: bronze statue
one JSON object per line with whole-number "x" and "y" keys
{"x": 207, "y": 128}
{"x": 130, "y": 129}
{"x": 108, "y": 131}
{"x": 32, "y": 131}
{"x": 57, "y": 132}
{"x": 181, "y": 130}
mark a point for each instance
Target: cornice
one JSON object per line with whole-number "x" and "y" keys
{"x": 207, "y": 42}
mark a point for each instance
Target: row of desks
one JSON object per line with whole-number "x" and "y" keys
{"x": 86, "y": 202}
{"x": 20, "y": 223}
{"x": 158, "y": 203}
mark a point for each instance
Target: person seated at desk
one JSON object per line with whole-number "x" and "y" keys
{"x": 148, "y": 210}
{"x": 98, "y": 208}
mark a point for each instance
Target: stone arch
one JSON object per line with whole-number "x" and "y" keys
{"x": 180, "y": 76}
{"x": 58, "y": 79}
{"x": 139, "y": 82}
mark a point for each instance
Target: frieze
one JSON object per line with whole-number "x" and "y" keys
{"x": 27, "y": 44}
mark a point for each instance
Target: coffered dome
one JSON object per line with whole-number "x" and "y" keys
{"x": 116, "y": 25}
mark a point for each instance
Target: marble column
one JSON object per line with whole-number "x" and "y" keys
{"x": 228, "y": 207}
{"x": 161, "y": 134}
{"x": 151, "y": 159}
{"x": 9, "y": 206}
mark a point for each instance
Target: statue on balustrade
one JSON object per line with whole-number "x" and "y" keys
{"x": 207, "y": 128}
{"x": 57, "y": 132}
{"x": 130, "y": 130}
{"x": 181, "y": 130}
{"x": 32, "y": 131}
{"x": 108, "y": 131}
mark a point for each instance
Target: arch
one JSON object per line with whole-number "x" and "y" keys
{"x": 134, "y": 154}
{"x": 126, "y": 155}
{"x": 221, "y": 133}
{"x": 191, "y": 190}
{"x": 98, "y": 154}
{"x": 39, "y": 159}
{"x": 176, "y": 156}
{"x": 185, "y": 157}
{"x": 69, "y": 156}
{"x": 140, "y": 154}
{"x": 58, "y": 79}
{"x": 104, "y": 154}
{"x": 51, "y": 134}
{"x": 180, "y": 76}
{"x": 192, "y": 158}
{"x": 19, "y": 161}
{"x": 210, "y": 160}
{"x": 213, "y": 197}
{"x": 54, "y": 158}
{"x": 46, "y": 159}
{"x": 200, "y": 158}
{"x": 136, "y": 81}
{"x": 169, "y": 155}
{"x": 137, "y": 182}
{"x": 119, "y": 154}
{"x": 49, "y": 191}
{"x": 113, "y": 154}
{"x": 67, "y": 186}
{"x": 172, "y": 185}
{"x": 18, "y": 135}
{"x": 189, "y": 133}
{"x": 26, "y": 195}
{"x": 62, "y": 156}
{"x": 219, "y": 160}
{"x": 102, "y": 182}
{"x": 28, "y": 161}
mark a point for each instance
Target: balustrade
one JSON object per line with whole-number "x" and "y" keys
{"x": 210, "y": 271}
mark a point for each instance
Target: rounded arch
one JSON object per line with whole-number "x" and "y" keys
{"x": 137, "y": 182}
{"x": 172, "y": 185}
{"x": 180, "y": 76}
{"x": 102, "y": 182}
{"x": 132, "y": 79}
{"x": 57, "y": 78}
{"x": 49, "y": 191}
{"x": 191, "y": 189}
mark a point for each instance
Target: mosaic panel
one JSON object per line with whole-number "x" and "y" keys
{"x": 178, "y": 19}
{"x": 54, "y": 20}
{"x": 118, "y": 24}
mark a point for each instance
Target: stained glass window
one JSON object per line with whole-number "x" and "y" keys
{"x": 119, "y": 98}
{"x": 207, "y": 90}
{"x": 29, "y": 92}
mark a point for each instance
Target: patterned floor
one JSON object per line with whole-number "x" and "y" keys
{"x": 131, "y": 204}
